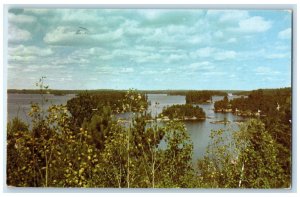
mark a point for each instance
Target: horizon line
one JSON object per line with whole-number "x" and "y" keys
{"x": 155, "y": 89}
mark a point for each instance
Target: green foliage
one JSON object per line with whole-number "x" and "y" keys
{"x": 275, "y": 106}
{"x": 85, "y": 105}
{"x": 134, "y": 101}
{"x": 100, "y": 126}
{"x": 218, "y": 167}
{"x": 279, "y": 126}
{"x": 16, "y": 125}
{"x": 198, "y": 97}
{"x": 81, "y": 108}
{"x": 130, "y": 154}
{"x": 103, "y": 153}
{"x": 183, "y": 111}
{"x": 260, "y": 157}
{"x": 175, "y": 166}
{"x": 249, "y": 160}
{"x": 266, "y": 101}
{"x": 52, "y": 154}
{"x": 99, "y": 151}
{"x": 222, "y": 105}
{"x": 17, "y": 132}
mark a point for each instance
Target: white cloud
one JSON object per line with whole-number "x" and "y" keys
{"x": 203, "y": 52}
{"x": 104, "y": 69}
{"x": 63, "y": 35}
{"x": 16, "y": 34}
{"x": 232, "y": 76}
{"x": 126, "y": 70}
{"x": 21, "y": 19}
{"x": 228, "y": 14}
{"x": 113, "y": 70}
{"x": 278, "y": 55}
{"x": 285, "y": 34}
{"x": 137, "y": 54}
{"x": 71, "y": 60}
{"x": 37, "y": 11}
{"x": 233, "y": 15}
{"x": 199, "y": 66}
{"x": 176, "y": 58}
{"x": 62, "y": 78}
{"x": 215, "y": 53}
{"x": 195, "y": 39}
{"x": 214, "y": 73}
{"x": 270, "y": 53}
{"x": 231, "y": 40}
{"x": 263, "y": 70}
{"x": 151, "y": 14}
{"x": 149, "y": 72}
{"x": 167, "y": 71}
{"x": 147, "y": 58}
{"x": 255, "y": 24}
{"x": 219, "y": 34}
{"x": 90, "y": 54}
{"x": 22, "y": 50}
{"x": 81, "y": 15}
{"x": 18, "y": 58}
{"x": 136, "y": 31}
{"x": 170, "y": 35}
{"x": 95, "y": 51}
{"x": 44, "y": 68}
{"x": 223, "y": 55}
{"x": 144, "y": 48}
{"x": 282, "y": 47}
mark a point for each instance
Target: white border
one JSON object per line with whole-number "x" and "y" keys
{"x": 157, "y": 3}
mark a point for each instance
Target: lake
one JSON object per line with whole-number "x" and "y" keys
{"x": 18, "y": 105}
{"x": 199, "y": 130}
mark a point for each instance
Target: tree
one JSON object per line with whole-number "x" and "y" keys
{"x": 100, "y": 126}
{"x": 175, "y": 162}
{"x": 81, "y": 108}
{"x": 249, "y": 161}
{"x": 16, "y": 130}
{"x": 183, "y": 111}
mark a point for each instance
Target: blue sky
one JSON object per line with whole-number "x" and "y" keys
{"x": 149, "y": 48}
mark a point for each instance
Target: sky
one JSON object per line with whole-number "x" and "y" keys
{"x": 149, "y": 49}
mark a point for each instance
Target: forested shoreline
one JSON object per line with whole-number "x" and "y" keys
{"x": 257, "y": 103}
{"x": 82, "y": 144}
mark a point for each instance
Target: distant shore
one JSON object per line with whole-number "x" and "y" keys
{"x": 165, "y": 119}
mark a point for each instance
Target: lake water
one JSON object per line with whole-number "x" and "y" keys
{"x": 18, "y": 105}
{"x": 199, "y": 130}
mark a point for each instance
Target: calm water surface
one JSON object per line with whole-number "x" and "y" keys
{"x": 19, "y": 106}
{"x": 199, "y": 130}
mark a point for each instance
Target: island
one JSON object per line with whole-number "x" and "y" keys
{"x": 183, "y": 112}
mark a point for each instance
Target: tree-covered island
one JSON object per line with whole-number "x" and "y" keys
{"x": 183, "y": 112}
